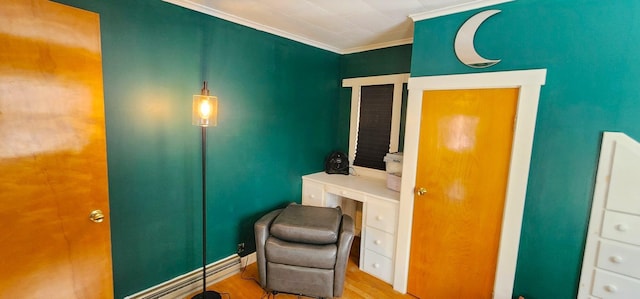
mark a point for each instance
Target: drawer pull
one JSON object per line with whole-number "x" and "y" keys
{"x": 622, "y": 227}
{"x": 378, "y": 217}
{"x": 312, "y": 196}
{"x": 610, "y": 288}
{"x": 377, "y": 242}
{"x": 616, "y": 259}
{"x": 376, "y": 265}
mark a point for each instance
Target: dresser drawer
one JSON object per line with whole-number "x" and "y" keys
{"x": 608, "y": 285}
{"x": 619, "y": 258}
{"x": 355, "y": 195}
{"x": 623, "y": 193}
{"x": 621, "y": 227}
{"x": 378, "y": 265}
{"x": 312, "y": 194}
{"x": 379, "y": 241}
{"x": 382, "y": 215}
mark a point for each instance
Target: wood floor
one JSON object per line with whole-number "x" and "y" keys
{"x": 357, "y": 285}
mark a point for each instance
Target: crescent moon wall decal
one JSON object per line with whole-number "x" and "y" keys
{"x": 464, "y": 47}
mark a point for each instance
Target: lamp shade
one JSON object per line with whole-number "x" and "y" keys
{"x": 205, "y": 111}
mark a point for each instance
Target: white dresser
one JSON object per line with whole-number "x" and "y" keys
{"x": 611, "y": 264}
{"x": 379, "y": 215}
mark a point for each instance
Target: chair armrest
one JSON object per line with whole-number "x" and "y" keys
{"x": 345, "y": 240}
{"x": 261, "y": 229}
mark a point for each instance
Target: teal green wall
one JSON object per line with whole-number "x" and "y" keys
{"x": 590, "y": 49}
{"x": 386, "y": 61}
{"x": 276, "y": 123}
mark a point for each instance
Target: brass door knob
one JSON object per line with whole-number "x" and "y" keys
{"x": 96, "y": 216}
{"x": 421, "y": 191}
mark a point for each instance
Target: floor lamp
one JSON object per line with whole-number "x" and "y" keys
{"x": 204, "y": 114}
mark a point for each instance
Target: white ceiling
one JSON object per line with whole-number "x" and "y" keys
{"x": 341, "y": 26}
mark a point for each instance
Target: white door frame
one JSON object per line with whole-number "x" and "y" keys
{"x": 529, "y": 82}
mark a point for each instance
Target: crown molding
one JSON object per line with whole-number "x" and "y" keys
{"x": 193, "y": 5}
{"x": 234, "y": 19}
{"x": 455, "y": 9}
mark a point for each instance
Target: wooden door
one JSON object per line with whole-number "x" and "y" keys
{"x": 53, "y": 170}
{"x": 463, "y": 161}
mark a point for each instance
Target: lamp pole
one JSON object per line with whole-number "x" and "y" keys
{"x": 205, "y": 113}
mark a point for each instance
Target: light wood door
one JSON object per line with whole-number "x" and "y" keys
{"x": 463, "y": 162}
{"x": 53, "y": 170}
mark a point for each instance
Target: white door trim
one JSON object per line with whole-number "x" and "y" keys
{"x": 529, "y": 82}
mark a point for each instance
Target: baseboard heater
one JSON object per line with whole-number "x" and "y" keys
{"x": 191, "y": 283}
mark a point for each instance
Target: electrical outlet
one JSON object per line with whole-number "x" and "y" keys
{"x": 240, "y": 248}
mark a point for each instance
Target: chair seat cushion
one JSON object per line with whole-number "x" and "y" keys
{"x": 299, "y": 254}
{"x": 307, "y": 224}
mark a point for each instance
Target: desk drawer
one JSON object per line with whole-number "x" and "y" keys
{"x": 382, "y": 215}
{"x": 378, "y": 265}
{"x": 379, "y": 241}
{"x": 620, "y": 259}
{"x": 312, "y": 194}
{"x": 611, "y": 286}
{"x": 359, "y": 196}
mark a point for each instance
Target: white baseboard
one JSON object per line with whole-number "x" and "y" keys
{"x": 248, "y": 259}
{"x": 189, "y": 283}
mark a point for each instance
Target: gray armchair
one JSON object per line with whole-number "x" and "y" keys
{"x": 304, "y": 250}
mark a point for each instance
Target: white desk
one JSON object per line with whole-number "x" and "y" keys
{"x": 379, "y": 214}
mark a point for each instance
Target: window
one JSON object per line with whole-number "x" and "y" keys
{"x": 375, "y": 120}
{"x": 374, "y": 126}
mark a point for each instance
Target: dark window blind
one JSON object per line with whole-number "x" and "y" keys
{"x": 374, "y": 129}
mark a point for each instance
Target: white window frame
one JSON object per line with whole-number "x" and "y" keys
{"x": 356, "y": 87}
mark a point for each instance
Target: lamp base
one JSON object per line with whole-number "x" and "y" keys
{"x": 208, "y": 295}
